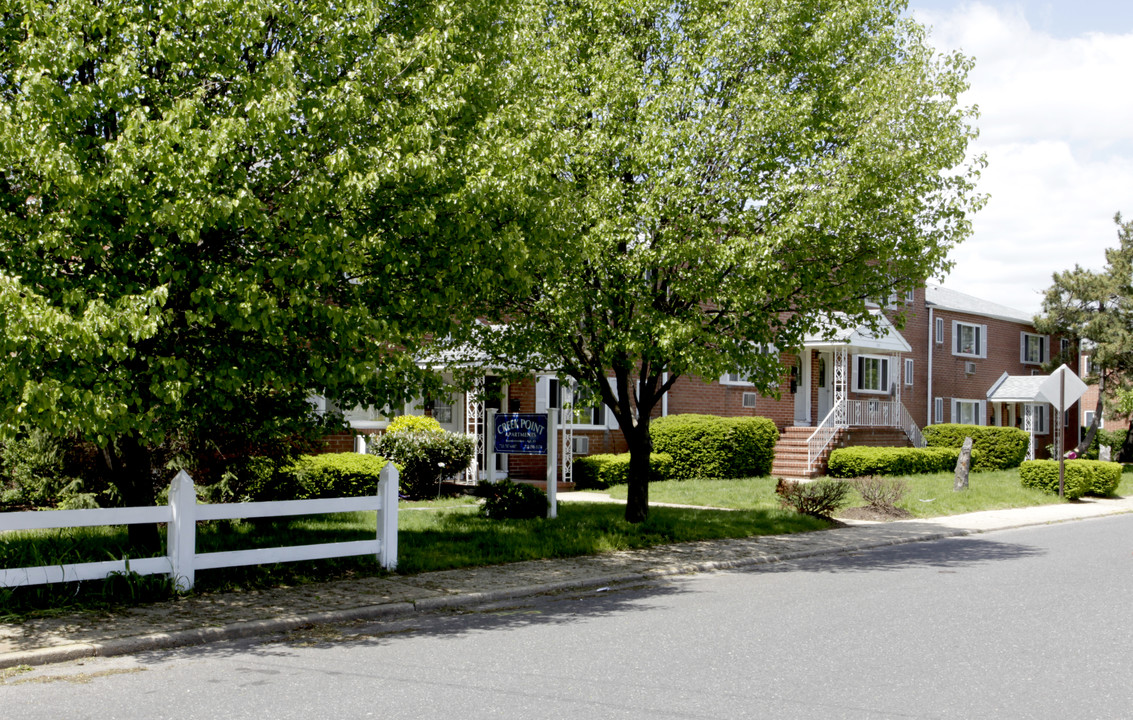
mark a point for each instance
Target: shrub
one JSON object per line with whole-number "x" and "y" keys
{"x": 1114, "y": 439}
{"x": 821, "y": 498}
{"x": 1000, "y": 448}
{"x": 425, "y": 458}
{"x": 506, "y": 500}
{"x": 1043, "y": 475}
{"x": 861, "y": 461}
{"x": 419, "y": 423}
{"x": 598, "y": 472}
{"x": 37, "y": 469}
{"x": 334, "y": 475}
{"x": 710, "y": 446}
{"x": 1083, "y": 477}
{"x": 881, "y": 493}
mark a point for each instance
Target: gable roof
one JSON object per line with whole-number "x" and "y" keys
{"x": 831, "y": 335}
{"x": 1017, "y": 388}
{"x": 945, "y": 299}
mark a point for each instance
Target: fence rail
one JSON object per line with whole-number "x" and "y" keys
{"x": 182, "y": 515}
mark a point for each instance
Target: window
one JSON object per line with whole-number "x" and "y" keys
{"x": 1033, "y": 349}
{"x": 1039, "y": 417}
{"x": 749, "y": 399}
{"x": 872, "y": 374}
{"x": 968, "y": 412}
{"x": 1064, "y": 347}
{"x": 587, "y": 407}
{"x": 938, "y": 410}
{"x": 442, "y": 410}
{"x": 940, "y": 331}
{"x": 735, "y": 378}
{"x": 969, "y": 340}
{"x": 908, "y": 371}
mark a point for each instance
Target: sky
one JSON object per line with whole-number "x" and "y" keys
{"x": 1056, "y": 125}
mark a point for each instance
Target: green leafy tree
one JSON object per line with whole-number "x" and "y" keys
{"x": 210, "y": 209}
{"x": 1095, "y": 307}
{"x": 725, "y": 175}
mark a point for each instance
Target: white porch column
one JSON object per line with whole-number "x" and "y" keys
{"x": 841, "y": 385}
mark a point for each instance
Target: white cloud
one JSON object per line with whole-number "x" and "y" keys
{"x": 1055, "y": 128}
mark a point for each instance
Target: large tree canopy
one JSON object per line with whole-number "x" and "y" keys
{"x": 1097, "y": 308}
{"x": 210, "y": 209}
{"x": 727, "y": 174}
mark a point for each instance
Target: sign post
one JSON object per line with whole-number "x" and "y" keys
{"x": 526, "y": 434}
{"x": 1062, "y": 389}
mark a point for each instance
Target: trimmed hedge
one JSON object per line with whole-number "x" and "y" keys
{"x": 861, "y": 461}
{"x": 598, "y": 472}
{"x": 1000, "y": 448}
{"x": 715, "y": 447}
{"x": 1083, "y": 477}
{"x": 333, "y": 475}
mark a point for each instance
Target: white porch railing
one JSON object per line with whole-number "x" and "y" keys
{"x": 824, "y": 434}
{"x": 182, "y": 514}
{"x": 861, "y": 413}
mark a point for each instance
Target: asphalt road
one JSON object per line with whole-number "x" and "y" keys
{"x": 1024, "y": 623}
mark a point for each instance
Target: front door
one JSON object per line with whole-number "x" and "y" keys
{"x": 825, "y": 382}
{"x": 800, "y": 385}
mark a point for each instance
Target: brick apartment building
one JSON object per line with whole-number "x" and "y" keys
{"x": 956, "y": 359}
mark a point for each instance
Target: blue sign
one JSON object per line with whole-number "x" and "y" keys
{"x": 520, "y": 434}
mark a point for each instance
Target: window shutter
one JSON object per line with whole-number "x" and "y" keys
{"x": 983, "y": 413}
{"x": 938, "y": 410}
{"x": 983, "y": 341}
{"x": 542, "y": 392}
{"x": 1022, "y": 347}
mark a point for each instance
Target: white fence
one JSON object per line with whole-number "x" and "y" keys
{"x": 182, "y": 514}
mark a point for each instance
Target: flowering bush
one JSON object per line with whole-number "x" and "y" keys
{"x": 425, "y": 458}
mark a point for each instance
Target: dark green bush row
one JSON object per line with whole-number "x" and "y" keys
{"x": 306, "y": 478}
{"x": 860, "y": 461}
{"x": 1083, "y": 477}
{"x": 598, "y": 472}
{"x": 999, "y": 448}
{"x": 715, "y": 447}
{"x": 506, "y": 500}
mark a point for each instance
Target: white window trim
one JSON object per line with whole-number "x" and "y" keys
{"x": 1043, "y": 414}
{"x": 542, "y": 395}
{"x": 909, "y": 372}
{"x": 1044, "y": 348}
{"x": 981, "y": 340}
{"x": 938, "y": 410}
{"x": 981, "y": 410}
{"x": 857, "y": 375}
{"x": 940, "y": 331}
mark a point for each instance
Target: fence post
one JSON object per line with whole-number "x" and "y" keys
{"x": 182, "y": 533}
{"x": 387, "y": 516}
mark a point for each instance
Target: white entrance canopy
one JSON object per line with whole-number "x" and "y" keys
{"x": 833, "y": 334}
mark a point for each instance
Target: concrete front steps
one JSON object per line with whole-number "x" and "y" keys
{"x": 791, "y": 453}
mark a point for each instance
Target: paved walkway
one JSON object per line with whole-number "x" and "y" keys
{"x": 222, "y": 616}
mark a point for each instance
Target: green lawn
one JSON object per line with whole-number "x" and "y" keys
{"x": 927, "y": 496}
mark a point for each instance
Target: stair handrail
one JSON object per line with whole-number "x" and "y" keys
{"x": 823, "y": 435}
{"x": 916, "y": 437}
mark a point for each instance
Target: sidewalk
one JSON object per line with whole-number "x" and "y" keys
{"x": 225, "y": 616}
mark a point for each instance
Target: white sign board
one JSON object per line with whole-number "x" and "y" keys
{"x": 1062, "y": 382}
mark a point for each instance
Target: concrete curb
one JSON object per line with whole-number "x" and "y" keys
{"x": 260, "y": 628}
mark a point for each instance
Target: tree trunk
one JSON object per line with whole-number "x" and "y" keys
{"x": 131, "y": 470}
{"x": 637, "y": 497}
{"x": 1084, "y": 445}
